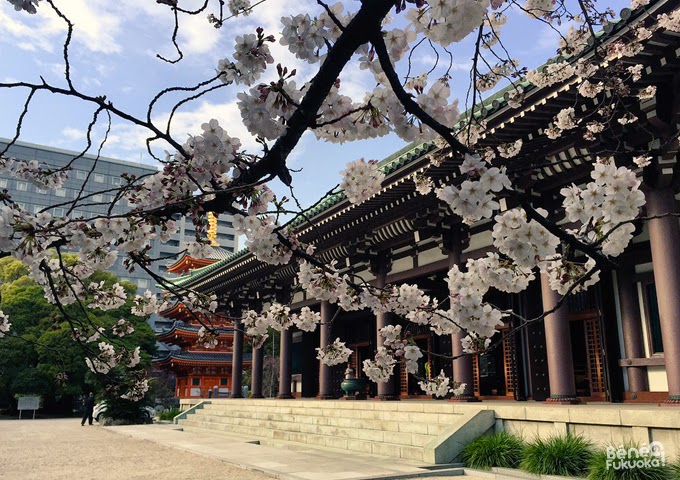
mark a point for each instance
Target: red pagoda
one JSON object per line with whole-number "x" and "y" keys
{"x": 200, "y": 372}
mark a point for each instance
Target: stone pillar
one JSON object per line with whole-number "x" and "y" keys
{"x": 631, "y": 326}
{"x": 325, "y": 387}
{"x": 558, "y": 348}
{"x": 380, "y": 267}
{"x": 237, "y": 361}
{"x": 285, "y": 364}
{"x": 664, "y": 239}
{"x": 256, "y": 376}
{"x": 462, "y": 366}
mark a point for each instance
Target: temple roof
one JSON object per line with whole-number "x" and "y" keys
{"x": 200, "y": 357}
{"x": 403, "y": 163}
{"x": 192, "y": 330}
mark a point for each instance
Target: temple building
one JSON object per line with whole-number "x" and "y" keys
{"x": 200, "y": 371}
{"x": 618, "y": 341}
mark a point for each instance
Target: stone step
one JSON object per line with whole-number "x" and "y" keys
{"x": 407, "y": 425}
{"x": 270, "y": 436}
{"x": 288, "y": 406}
{"x": 366, "y": 430}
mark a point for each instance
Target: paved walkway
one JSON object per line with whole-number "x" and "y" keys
{"x": 63, "y": 450}
{"x": 299, "y": 464}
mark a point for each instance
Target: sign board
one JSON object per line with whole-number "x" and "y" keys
{"x": 28, "y": 403}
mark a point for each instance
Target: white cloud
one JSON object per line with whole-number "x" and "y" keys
{"x": 96, "y": 25}
{"x": 73, "y": 133}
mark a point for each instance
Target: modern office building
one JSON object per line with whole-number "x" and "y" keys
{"x": 99, "y": 177}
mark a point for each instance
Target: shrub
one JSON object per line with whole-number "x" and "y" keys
{"x": 169, "y": 414}
{"x": 675, "y": 469}
{"x": 601, "y": 470}
{"x": 569, "y": 456}
{"x": 499, "y": 450}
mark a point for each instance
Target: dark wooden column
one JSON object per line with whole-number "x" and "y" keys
{"x": 631, "y": 326}
{"x": 453, "y": 243}
{"x": 256, "y": 376}
{"x": 325, "y": 387}
{"x": 285, "y": 364}
{"x": 237, "y": 361}
{"x": 664, "y": 239}
{"x": 558, "y": 348}
{"x": 381, "y": 264}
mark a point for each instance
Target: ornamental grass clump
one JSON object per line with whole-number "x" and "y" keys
{"x": 501, "y": 449}
{"x": 569, "y": 455}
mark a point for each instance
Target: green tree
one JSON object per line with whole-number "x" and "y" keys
{"x": 39, "y": 356}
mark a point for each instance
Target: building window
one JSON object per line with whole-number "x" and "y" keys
{"x": 116, "y": 180}
{"x": 22, "y": 186}
{"x": 142, "y": 283}
{"x": 37, "y": 208}
{"x": 172, "y": 243}
{"x": 40, "y": 190}
{"x": 223, "y": 382}
{"x": 98, "y": 198}
{"x": 99, "y": 178}
{"x": 225, "y": 223}
{"x": 81, "y": 175}
{"x": 195, "y": 382}
{"x": 58, "y": 212}
{"x": 60, "y": 192}
{"x": 3, "y": 183}
{"x": 22, "y": 206}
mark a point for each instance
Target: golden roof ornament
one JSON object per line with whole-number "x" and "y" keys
{"x": 212, "y": 229}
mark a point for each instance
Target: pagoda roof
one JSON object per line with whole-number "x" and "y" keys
{"x": 408, "y": 160}
{"x": 188, "y": 330}
{"x": 200, "y": 358}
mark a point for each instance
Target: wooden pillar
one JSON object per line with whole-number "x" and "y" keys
{"x": 256, "y": 376}
{"x": 237, "y": 361}
{"x": 285, "y": 364}
{"x": 664, "y": 239}
{"x": 631, "y": 327}
{"x": 380, "y": 266}
{"x": 325, "y": 387}
{"x": 462, "y": 366}
{"x": 558, "y": 348}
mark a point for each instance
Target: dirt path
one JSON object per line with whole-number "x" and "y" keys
{"x": 62, "y": 449}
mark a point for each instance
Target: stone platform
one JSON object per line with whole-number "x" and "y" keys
{"x": 431, "y": 432}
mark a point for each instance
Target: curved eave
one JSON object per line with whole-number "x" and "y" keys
{"x": 188, "y": 262}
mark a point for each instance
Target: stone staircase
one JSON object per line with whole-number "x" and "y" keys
{"x": 427, "y": 432}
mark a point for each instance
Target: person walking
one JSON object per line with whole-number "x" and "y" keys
{"x": 88, "y": 407}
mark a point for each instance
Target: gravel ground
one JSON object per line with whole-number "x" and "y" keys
{"x": 62, "y": 449}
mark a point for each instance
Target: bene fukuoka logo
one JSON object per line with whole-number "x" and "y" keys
{"x": 629, "y": 458}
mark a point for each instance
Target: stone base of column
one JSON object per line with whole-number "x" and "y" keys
{"x": 673, "y": 401}
{"x": 326, "y": 396}
{"x": 464, "y": 399}
{"x": 257, "y": 396}
{"x": 285, "y": 396}
{"x": 563, "y": 400}
{"x": 387, "y": 398}
{"x": 236, "y": 396}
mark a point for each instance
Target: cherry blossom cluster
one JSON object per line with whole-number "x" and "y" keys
{"x": 251, "y": 57}
{"x": 137, "y": 390}
{"x": 5, "y": 325}
{"x": 441, "y": 385}
{"x": 381, "y": 367}
{"x": 122, "y": 328}
{"x": 106, "y": 298}
{"x": 474, "y": 199}
{"x": 334, "y": 353}
{"x": 446, "y": 22}
{"x": 262, "y": 239}
{"x": 88, "y": 334}
{"x": 265, "y": 109}
{"x": 148, "y": 304}
{"x": 207, "y": 338}
{"x": 361, "y": 180}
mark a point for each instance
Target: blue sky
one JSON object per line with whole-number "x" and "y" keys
{"x": 114, "y": 54}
